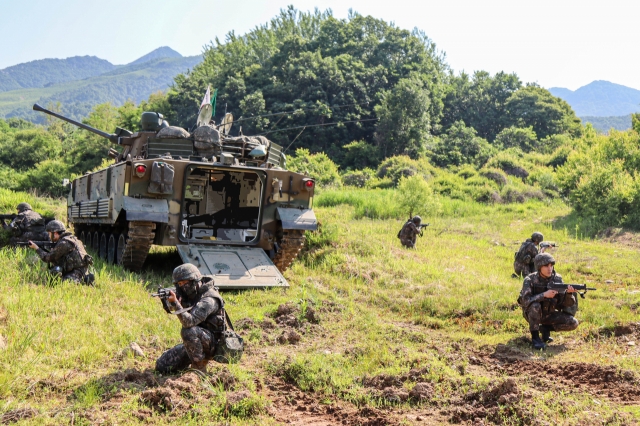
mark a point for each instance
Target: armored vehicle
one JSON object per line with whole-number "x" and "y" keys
{"x": 227, "y": 203}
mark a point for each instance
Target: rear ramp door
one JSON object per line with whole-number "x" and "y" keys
{"x": 233, "y": 267}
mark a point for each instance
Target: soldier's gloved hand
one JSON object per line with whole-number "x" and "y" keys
{"x": 172, "y": 297}
{"x": 570, "y": 289}
{"x": 550, "y": 294}
{"x": 32, "y": 245}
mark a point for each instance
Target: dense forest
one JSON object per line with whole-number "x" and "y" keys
{"x": 360, "y": 102}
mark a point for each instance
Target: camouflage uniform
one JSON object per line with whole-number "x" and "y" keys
{"x": 27, "y": 225}
{"x": 552, "y": 312}
{"x": 408, "y": 234}
{"x": 523, "y": 264}
{"x": 201, "y": 327}
{"x": 69, "y": 254}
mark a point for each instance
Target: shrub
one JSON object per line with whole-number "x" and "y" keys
{"x": 460, "y": 145}
{"x": 400, "y": 166}
{"x": 515, "y": 137}
{"x": 319, "y": 166}
{"x": 46, "y": 178}
{"x": 496, "y": 175}
{"x": 358, "y": 178}
{"x": 416, "y": 196}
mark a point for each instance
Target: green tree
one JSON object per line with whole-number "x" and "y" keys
{"x": 404, "y": 119}
{"x": 479, "y": 101}
{"x": 89, "y": 149}
{"x": 460, "y": 145}
{"x": 23, "y": 149}
{"x": 547, "y": 115}
{"x": 307, "y": 70}
{"x": 514, "y": 137}
{"x": 416, "y": 196}
{"x": 318, "y": 166}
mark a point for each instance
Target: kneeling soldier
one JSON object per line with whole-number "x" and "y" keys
{"x": 27, "y": 225}
{"x": 200, "y": 309}
{"x": 68, "y": 256}
{"x": 546, "y": 310}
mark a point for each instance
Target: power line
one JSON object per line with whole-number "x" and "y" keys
{"x": 316, "y": 125}
{"x": 296, "y": 110}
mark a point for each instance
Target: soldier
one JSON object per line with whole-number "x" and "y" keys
{"x": 200, "y": 309}
{"x": 546, "y": 310}
{"x": 27, "y": 225}
{"x": 523, "y": 263}
{"x": 68, "y": 256}
{"x": 409, "y": 232}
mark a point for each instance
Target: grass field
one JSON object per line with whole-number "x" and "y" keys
{"x": 368, "y": 332}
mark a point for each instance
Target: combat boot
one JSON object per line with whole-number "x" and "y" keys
{"x": 200, "y": 366}
{"x": 546, "y": 333}
{"x": 535, "y": 340}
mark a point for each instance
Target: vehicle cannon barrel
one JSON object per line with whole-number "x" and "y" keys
{"x": 112, "y": 137}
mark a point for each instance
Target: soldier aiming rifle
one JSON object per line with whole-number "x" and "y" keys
{"x": 205, "y": 334}
{"x": 410, "y": 230}
{"x": 25, "y": 225}
{"x": 547, "y": 303}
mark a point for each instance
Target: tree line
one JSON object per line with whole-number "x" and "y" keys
{"x": 400, "y": 110}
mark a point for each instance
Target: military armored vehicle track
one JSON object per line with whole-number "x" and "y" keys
{"x": 227, "y": 203}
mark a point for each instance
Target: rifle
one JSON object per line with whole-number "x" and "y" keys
{"x": 548, "y": 244}
{"x": 562, "y": 288}
{"x": 45, "y": 245}
{"x": 421, "y": 228}
{"x": 163, "y": 294}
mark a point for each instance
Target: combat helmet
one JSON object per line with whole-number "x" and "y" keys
{"x": 188, "y": 271}
{"x": 55, "y": 226}
{"x": 22, "y": 207}
{"x": 537, "y": 237}
{"x": 543, "y": 259}
{"x": 416, "y": 219}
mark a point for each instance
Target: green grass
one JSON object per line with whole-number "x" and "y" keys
{"x": 383, "y": 309}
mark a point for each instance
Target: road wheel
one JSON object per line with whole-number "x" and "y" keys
{"x": 122, "y": 243}
{"x": 96, "y": 242}
{"x": 104, "y": 239}
{"x": 83, "y": 238}
{"x": 87, "y": 242}
{"x": 112, "y": 247}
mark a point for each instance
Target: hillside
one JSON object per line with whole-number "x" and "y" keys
{"x": 368, "y": 333}
{"x": 80, "y": 83}
{"x": 48, "y": 72}
{"x": 135, "y": 81}
{"x": 601, "y": 99}
{"x": 604, "y": 124}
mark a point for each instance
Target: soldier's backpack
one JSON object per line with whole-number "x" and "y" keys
{"x": 230, "y": 345}
{"x": 520, "y": 254}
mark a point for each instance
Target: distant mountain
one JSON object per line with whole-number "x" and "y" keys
{"x": 46, "y": 72}
{"x": 604, "y": 124}
{"x": 601, "y": 99}
{"x": 160, "y": 52}
{"x": 135, "y": 81}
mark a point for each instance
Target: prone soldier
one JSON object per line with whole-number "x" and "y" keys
{"x": 68, "y": 256}
{"x": 26, "y": 225}
{"x": 200, "y": 309}
{"x": 523, "y": 262}
{"x": 545, "y": 309}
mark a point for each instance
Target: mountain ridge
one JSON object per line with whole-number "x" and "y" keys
{"x": 134, "y": 81}
{"x": 600, "y": 98}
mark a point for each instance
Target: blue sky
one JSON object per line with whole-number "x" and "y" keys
{"x": 563, "y": 43}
